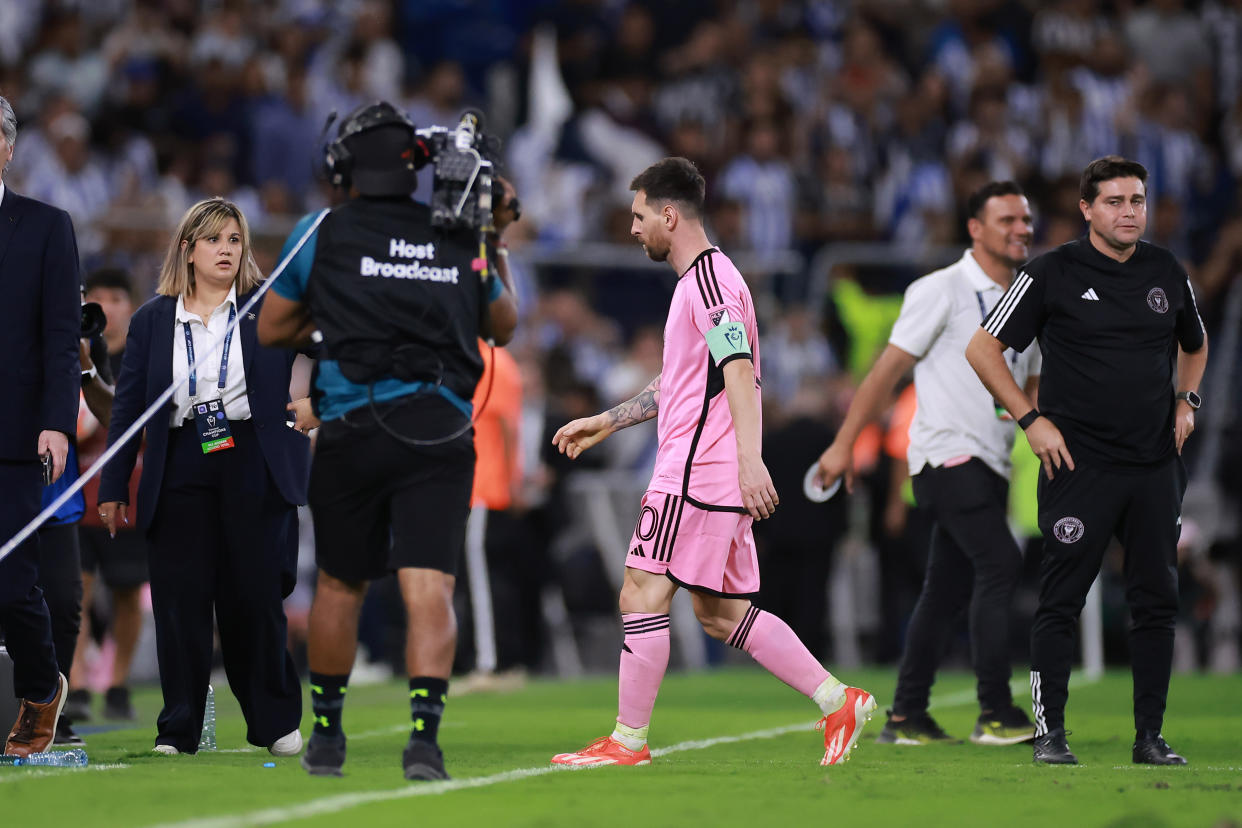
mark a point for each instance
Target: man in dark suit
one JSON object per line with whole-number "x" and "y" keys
{"x": 39, "y": 372}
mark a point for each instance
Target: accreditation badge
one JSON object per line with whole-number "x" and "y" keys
{"x": 213, "y": 426}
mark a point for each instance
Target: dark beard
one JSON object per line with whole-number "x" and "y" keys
{"x": 656, "y": 256}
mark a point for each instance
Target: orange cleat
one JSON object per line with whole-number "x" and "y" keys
{"x": 607, "y": 751}
{"x": 842, "y": 729}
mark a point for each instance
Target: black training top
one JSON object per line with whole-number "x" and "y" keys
{"x": 1109, "y": 333}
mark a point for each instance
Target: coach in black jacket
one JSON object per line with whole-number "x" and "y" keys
{"x": 219, "y": 511}
{"x": 39, "y": 375}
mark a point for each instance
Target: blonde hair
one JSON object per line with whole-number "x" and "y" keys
{"x": 205, "y": 219}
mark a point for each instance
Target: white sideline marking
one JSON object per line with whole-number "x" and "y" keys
{"x": 35, "y": 774}
{"x": 342, "y": 802}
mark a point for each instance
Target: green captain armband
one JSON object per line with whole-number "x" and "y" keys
{"x": 727, "y": 340}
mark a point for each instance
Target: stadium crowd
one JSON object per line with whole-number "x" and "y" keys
{"x": 815, "y": 123}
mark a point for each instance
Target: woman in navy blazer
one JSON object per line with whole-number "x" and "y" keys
{"x": 219, "y": 509}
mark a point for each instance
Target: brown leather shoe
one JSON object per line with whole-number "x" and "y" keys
{"x": 36, "y": 724}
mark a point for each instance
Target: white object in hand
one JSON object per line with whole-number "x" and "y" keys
{"x": 815, "y": 492}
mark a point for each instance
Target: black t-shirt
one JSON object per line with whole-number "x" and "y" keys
{"x": 1109, "y": 333}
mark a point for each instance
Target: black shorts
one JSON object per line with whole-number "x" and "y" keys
{"x": 120, "y": 561}
{"x": 380, "y": 505}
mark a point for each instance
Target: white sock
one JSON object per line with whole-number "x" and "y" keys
{"x": 632, "y": 737}
{"x": 830, "y": 695}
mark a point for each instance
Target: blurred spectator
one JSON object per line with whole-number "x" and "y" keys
{"x": 285, "y": 154}
{"x": 1170, "y": 41}
{"x": 795, "y": 352}
{"x": 73, "y": 179}
{"x": 762, "y": 181}
{"x": 64, "y": 64}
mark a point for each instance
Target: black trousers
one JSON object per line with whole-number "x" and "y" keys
{"x": 1080, "y": 511}
{"x": 973, "y": 562}
{"x": 23, "y": 612}
{"x": 218, "y": 541}
{"x": 60, "y": 577}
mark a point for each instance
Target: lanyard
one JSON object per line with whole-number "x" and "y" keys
{"x": 983, "y": 311}
{"x": 224, "y": 356}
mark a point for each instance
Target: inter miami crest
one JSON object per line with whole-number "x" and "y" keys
{"x": 1067, "y": 529}
{"x": 718, "y": 317}
{"x": 1157, "y": 301}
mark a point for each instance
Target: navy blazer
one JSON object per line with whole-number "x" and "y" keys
{"x": 40, "y": 318}
{"x": 146, "y": 372}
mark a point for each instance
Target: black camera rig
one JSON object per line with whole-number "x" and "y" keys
{"x": 465, "y": 187}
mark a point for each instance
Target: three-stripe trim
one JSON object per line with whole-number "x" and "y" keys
{"x": 705, "y": 278}
{"x": 1037, "y": 703}
{"x": 1008, "y": 303}
{"x": 667, "y": 525}
{"x": 739, "y": 636}
{"x": 644, "y": 624}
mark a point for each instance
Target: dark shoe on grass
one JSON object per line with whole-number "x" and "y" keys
{"x": 78, "y": 706}
{"x": 423, "y": 761}
{"x": 917, "y": 729}
{"x": 324, "y": 755}
{"x": 1152, "y": 749}
{"x": 1007, "y": 726}
{"x": 65, "y": 734}
{"x": 117, "y": 704}
{"x": 1052, "y": 749}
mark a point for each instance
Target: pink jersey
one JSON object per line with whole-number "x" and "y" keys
{"x": 697, "y": 456}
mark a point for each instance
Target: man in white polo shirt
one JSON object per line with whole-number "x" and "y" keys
{"x": 960, "y": 442}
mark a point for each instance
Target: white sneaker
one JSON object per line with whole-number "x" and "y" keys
{"x": 288, "y": 745}
{"x": 165, "y": 750}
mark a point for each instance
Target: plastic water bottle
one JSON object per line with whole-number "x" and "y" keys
{"x": 75, "y": 758}
{"x": 208, "y": 740}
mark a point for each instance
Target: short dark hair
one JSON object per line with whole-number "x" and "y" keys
{"x": 673, "y": 179}
{"x": 1106, "y": 169}
{"x": 109, "y": 277}
{"x": 977, "y": 200}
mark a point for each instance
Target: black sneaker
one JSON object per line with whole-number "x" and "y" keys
{"x": 918, "y": 729}
{"x": 423, "y": 760}
{"x": 1006, "y": 726}
{"x": 324, "y": 755}
{"x": 1052, "y": 749}
{"x": 116, "y": 704}
{"x": 1152, "y": 749}
{"x": 65, "y": 734}
{"x": 78, "y": 705}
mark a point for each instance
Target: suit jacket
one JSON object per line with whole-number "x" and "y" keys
{"x": 147, "y": 371}
{"x": 40, "y": 318}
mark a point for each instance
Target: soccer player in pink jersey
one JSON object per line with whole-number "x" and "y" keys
{"x": 709, "y": 484}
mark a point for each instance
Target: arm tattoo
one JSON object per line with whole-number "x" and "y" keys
{"x": 637, "y": 409}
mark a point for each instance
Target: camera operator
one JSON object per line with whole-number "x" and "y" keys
{"x": 400, "y": 302}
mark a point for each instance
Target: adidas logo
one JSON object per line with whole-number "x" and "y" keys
{"x": 638, "y": 550}
{"x": 1091, "y": 295}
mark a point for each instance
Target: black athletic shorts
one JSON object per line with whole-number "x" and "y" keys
{"x": 120, "y": 561}
{"x": 380, "y": 505}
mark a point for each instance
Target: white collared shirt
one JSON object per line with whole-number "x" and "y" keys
{"x": 956, "y": 416}
{"x": 208, "y": 346}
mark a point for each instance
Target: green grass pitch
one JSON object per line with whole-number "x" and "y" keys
{"x": 497, "y": 748}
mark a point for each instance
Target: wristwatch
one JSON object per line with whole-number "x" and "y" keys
{"x": 1192, "y": 399}
{"x": 89, "y": 375}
